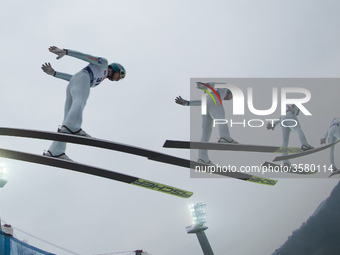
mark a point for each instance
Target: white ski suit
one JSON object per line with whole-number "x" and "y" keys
{"x": 77, "y": 93}
{"x": 333, "y": 134}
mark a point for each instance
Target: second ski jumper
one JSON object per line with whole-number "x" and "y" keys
{"x": 78, "y": 91}
{"x": 213, "y": 112}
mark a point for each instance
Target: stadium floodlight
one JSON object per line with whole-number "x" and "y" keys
{"x": 199, "y": 218}
{"x": 2, "y": 177}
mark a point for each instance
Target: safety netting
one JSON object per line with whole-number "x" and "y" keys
{"x": 9, "y": 245}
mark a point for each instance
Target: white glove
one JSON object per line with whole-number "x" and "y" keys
{"x": 181, "y": 101}
{"x": 47, "y": 68}
{"x": 59, "y": 52}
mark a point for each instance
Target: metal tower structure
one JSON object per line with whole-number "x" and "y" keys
{"x": 2, "y": 177}
{"x": 198, "y": 227}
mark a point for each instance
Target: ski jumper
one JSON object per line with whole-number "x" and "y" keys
{"x": 333, "y": 135}
{"x": 77, "y": 93}
{"x": 213, "y": 112}
{"x": 290, "y": 122}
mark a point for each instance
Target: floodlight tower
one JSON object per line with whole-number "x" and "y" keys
{"x": 199, "y": 219}
{"x": 2, "y": 177}
{"x": 2, "y": 183}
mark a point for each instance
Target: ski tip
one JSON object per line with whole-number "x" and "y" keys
{"x": 176, "y": 144}
{"x": 166, "y": 144}
{"x": 277, "y": 159}
{"x": 334, "y": 173}
{"x": 265, "y": 164}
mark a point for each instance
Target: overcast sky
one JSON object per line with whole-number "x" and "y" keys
{"x": 162, "y": 44}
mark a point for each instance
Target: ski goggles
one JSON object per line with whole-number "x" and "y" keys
{"x": 121, "y": 74}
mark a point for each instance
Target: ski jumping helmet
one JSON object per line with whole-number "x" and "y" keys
{"x": 229, "y": 92}
{"x": 118, "y": 68}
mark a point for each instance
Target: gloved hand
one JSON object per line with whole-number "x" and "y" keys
{"x": 181, "y": 101}
{"x": 323, "y": 140}
{"x": 47, "y": 68}
{"x": 270, "y": 126}
{"x": 59, "y": 52}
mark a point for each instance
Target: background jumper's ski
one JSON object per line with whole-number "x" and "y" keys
{"x": 149, "y": 154}
{"x": 334, "y": 173}
{"x": 74, "y": 166}
{"x": 229, "y": 146}
{"x": 283, "y": 169}
{"x": 304, "y": 153}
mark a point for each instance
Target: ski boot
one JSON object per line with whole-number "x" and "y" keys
{"x": 223, "y": 140}
{"x": 334, "y": 169}
{"x": 61, "y": 156}
{"x": 206, "y": 163}
{"x": 306, "y": 147}
{"x": 66, "y": 130}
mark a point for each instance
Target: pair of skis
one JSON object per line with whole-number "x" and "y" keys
{"x": 296, "y": 152}
{"x": 89, "y": 141}
{"x": 75, "y": 166}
